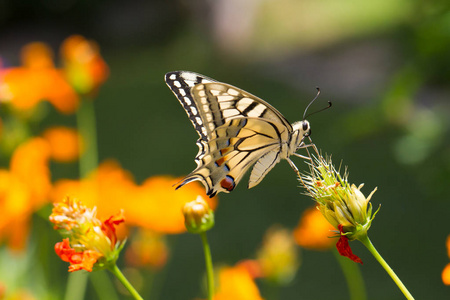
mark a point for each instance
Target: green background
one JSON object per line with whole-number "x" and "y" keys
{"x": 385, "y": 66}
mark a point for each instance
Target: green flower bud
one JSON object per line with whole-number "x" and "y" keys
{"x": 198, "y": 217}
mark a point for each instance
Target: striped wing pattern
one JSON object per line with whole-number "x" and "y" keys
{"x": 236, "y": 129}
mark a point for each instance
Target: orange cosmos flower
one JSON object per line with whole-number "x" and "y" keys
{"x": 64, "y": 143}
{"x": 24, "y": 189}
{"x": 154, "y": 205}
{"x": 84, "y": 67}
{"x": 157, "y": 205}
{"x": 446, "y": 271}
{"x": 236, "y": 283}
{"x": 109, "y": 188}
{"x": 89, "y": 242}
{"x": 37, "y": 80}
{"x": 313, "y": 231}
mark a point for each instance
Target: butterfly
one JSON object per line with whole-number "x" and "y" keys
{"x": 237, "y": 130}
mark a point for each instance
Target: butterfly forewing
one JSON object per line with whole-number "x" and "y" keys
{"x": 236, "y": 131}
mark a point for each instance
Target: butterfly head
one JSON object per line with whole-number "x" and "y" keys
{"x": 306, "y": 128}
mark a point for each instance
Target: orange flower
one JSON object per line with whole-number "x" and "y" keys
{"x": 83, "y": 260}
{"x": 147, "y": 249}
{"x": 23, "y": 189}
{"x": 109, "y": 188}
{"x": 278, "y": 256}
{"x": 84, "y": 67}
{"x": 64, "y": 143}
{"x": 38, "y": 80}
{"x": 236, "y": 283}
{"x": 91, "y": 241}
{"x": 446, "y": 271}
{"x": 154, "y": 205}
{"x": 313, "y": 231}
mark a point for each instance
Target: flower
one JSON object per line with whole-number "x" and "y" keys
{"x": 24, "y": 189}
{"x": 64, "y": 143}
{"x": 147, "y": 249}
{"x": 313, "y": 230}
{"x": 153, "y": 205}
{"x": 88, "y": 241}
{"x": 236, "y": 283}
{"x": 198, "y": 217}
{"x": 342, "y": 204}
{"x": 37, "y": 80}
{"x": 157, "y": 205}
{"x": 84, "y": 67}
{"x": 278, "y": 256}
{"x": 446, "y": 271}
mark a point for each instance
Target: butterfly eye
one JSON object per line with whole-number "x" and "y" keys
{"x": 305, "y": 126}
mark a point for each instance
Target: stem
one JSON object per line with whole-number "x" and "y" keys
{"x": 209, "y": 265}
{"x": 76, "y": 286}
{"x": 366, "y": 242}
{"x": 352, "y": 274}
{"x": 116, "y": 271}
{"x": 103, "y": 286}
{"x": 88, "y": 130}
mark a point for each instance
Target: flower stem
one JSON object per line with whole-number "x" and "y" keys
{"x": 76, "y": 286}
{"x": 352, "y": 274}
{"x": 209, "y": 265}
{"x": 116, "y": 271}
{"x": 86, "y": 123}
{"x": 366, "y": 242}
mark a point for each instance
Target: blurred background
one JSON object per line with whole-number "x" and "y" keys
{"x": 385, "y": 66}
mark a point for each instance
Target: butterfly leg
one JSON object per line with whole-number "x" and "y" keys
{"x": 294, "y": 167}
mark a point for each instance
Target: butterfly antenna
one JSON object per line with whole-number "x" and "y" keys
{"x": 307, "y": 115}
{"x": 317, "y": 96}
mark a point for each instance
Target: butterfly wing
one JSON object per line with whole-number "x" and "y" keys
{"x": 236, "y": 130}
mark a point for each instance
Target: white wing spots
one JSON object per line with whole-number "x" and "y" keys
{"x": 205, "y": 107}
{"x": 182, "y": 92}
{"x": 202, "y": 93}
{"x": 173, "y": 77}
{"x": 233, "y": 92}
{"x": 187, "y": 100}
{"x": 209, "y": 117}
{"x": 211, "y": 126}
{"x": 231, "y": 113}
{"x": 204, "y": 131}
{"x": 215, "y": 92}
{"x": 199, "y": 121}
{"x": 177, "y": 83}
{"x": 244, "y": 103}
{"x": 224, "y": 98}
{"x": 225, "y": 105}
{"x": 194, "y": 110}
{"x": 257, "y": 111}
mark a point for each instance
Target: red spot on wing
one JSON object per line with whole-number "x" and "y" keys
{"x": 220, "y": 161}
{"x": 228, "y": 183}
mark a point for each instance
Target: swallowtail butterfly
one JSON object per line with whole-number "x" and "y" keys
{"x": 237, "y": 130}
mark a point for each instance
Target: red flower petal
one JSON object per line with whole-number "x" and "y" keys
{"x": 108, "y": 227}
{"x": 344, "y": 248}
{"x": 64, "y": 251}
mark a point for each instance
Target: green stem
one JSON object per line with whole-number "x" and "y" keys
{"x": 76, "y": 286}
{"x": 209, "y": 265}
{"x": 116, "y": 271}
{"x": 103, "y": 286}
{"x": 88, "y": 130}
{"x": 366, "y": 242}
{"x": 352, "y": 274}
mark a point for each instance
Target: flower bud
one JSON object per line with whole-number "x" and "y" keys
{"x": 198, "y": 217}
